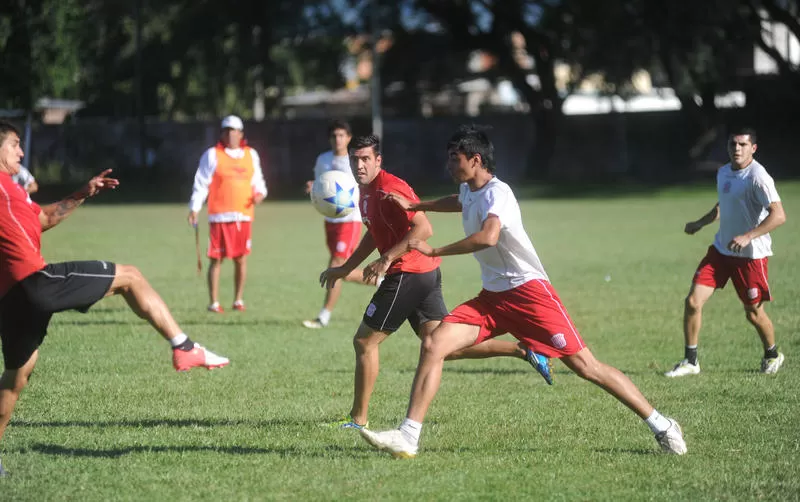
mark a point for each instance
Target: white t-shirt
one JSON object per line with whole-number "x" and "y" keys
{"x": 513, "y": 261}
{"x": 744, "y": 196}
{"x": 328, "y": 162}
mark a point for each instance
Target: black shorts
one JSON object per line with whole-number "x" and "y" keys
{"x": 26, "y": 309}
{"x": 415, "y": 297}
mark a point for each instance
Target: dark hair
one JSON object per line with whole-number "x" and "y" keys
{"x": 745, "y": 131}
{"x": 472, "y": 140}
{"x": 7, "y": 127}
{"x": 360, "y": 142}
{"x": 339, "y": 124}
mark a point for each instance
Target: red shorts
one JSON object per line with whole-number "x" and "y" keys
{"x": 533, "y": 313}
{"x": 228, "y": 240}
{"x": 749, "y": 275}
{"x": 342, "y": 238}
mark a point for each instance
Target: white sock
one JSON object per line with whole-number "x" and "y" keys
{"x": 215, "y": 304}
{"x": 178, "y": 340}
{"x": 324, "y": 316}
{"x": 411, "y": 430}
{"x": 657, "y": 422}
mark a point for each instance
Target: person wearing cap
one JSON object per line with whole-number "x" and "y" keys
{"x": 230, "y": 177}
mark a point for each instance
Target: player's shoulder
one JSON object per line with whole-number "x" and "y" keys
{"x": 758, "y": 169}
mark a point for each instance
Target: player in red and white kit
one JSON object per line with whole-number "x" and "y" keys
{"x": 343, "y": 234}
{"x": 31, "y": 291}
{"x": 412, "y": 282}
{"x": 748, "y": 208}
{"x": 517, "y": 298}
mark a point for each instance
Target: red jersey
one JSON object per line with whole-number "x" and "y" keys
{"x": 20, "y": 234}
{"x": 388, "y": 223}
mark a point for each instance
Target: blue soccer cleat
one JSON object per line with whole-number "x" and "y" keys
{"x": 541, "y": 364}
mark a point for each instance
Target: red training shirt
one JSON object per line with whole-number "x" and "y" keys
{"x": 20, "y": 234}
{"x": 388, "y": 223}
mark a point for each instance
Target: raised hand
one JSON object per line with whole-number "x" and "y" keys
{"x": 100, "y": 183}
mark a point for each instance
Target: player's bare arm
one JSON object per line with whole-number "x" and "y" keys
{"x": 53, "y": 214}
{"x": 776, "y": 218}
{"x": 421, "y": 229}
{"x": 710, "y": 217}
{"x": 448, "y": 204}
{"x": 484, "y": 238}
{"x": 329, "y": 277}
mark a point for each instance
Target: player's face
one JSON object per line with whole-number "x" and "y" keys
{"x": 741, "y": 150}
{"x": 461, "y": 167}
{"x": 339, "y": 140}
{"x": 232, "y": 138}
{"x": 10, "y": 154}
{"x": 365, "y": 165}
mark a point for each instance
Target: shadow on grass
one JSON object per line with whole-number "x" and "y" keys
{"x": 189, "y": 422}
{"x": 193, "y": 322}
{"x": 52, "y": 449}
{"x": 630, "y": 451}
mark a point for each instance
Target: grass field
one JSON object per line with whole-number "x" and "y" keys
{"x": 106, "y": 418}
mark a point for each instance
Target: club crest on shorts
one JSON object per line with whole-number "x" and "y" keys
{"x": 558, "y": 341}
{"x": 341, "y": 246}
{"x": 752, "y": 293}
{"x": 371, "y": 308}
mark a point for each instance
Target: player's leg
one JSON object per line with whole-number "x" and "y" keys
{"x": 238, "y": 249}
{"x": 214, "y": 267}
{"x": 12, "y": 382}
{"x": 752, "y": 286}
{"x": 216, "y": 253}
{"x": 239, "y": 277}
{"x": 365, "y": 343}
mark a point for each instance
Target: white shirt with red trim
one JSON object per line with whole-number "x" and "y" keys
{"x": 513, "y": 260}
{"x": 744, "y": 196}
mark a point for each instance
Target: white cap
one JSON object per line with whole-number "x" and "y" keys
{"x": 232, "y": 122}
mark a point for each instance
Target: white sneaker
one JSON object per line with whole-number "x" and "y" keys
{"x": 392, "y": 441}
{"x": 683, "y": 368}
{"x": 771, "y": 366}
{"x": 314, "y": 324}
{"x": 671, "y": 440}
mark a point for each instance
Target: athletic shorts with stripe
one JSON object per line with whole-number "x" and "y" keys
{"x": 532, "y": 312}
{"x": 750, "y": 276}
{"x": 26, "y": 309}
{"x": 406, "y": 296}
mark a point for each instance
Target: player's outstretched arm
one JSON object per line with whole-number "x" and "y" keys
{"x": 448, "y": 204}
{"x": 484, "y": 238}
{"x": 707, "y": 219}
{"x": 421, "y": 229}
{"x": 53, "y": 214}
{"x": 329, "y": 277}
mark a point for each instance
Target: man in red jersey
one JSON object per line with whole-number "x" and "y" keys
{"x": 31, "y": 291}
{"x": 411, "y": 286}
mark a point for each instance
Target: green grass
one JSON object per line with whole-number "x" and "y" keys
{"x": 106, "y": 418}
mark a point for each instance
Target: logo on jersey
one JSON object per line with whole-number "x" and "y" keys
{"x": 752, "y": 293}
{"x": 726, "y": 188}
{"x": 371, "y": 308}
{"x": 558, "y": 341}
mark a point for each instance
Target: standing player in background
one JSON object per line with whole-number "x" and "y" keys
{"x": 31, "y": 291}
{"x": 341, "y": 234}
{"x": 517, "y": 298}
{"x": 230, "y": 176}
{"x": 748, "y": 208}
{"x": 25, "y": 179}
{"x": 412, "y": 286}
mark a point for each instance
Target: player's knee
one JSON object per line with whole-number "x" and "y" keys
{"x": 128, "y": 276}
{"x": 753, "y": 315}
{"x": 693, "y": 304}
{"x": 14, "y": 380}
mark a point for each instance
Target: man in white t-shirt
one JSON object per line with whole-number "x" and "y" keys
{"x": 748, "y": 208}
{"x": 343, "y": 234}
{"x": 517, "y": 298}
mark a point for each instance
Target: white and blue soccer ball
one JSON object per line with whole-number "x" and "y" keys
{"x": 334, "y": 194}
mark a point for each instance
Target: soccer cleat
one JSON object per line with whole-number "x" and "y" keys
{"x": 216, "y": 308}
{"x": 671, "y": 440}
{"x": 772, "y": 365}
{"x": 239, "y": 306}
{"x": 314, "y": 324}
{"x": 347, "y": 423}
{"x": 683, "y": 368}
{"x": 541, "y": 364}
{"x": 392, "y": 441}
{"x": 199, "y": 356}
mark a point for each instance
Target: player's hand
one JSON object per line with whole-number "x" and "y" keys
{"x": 401, "y": 201}
{"x": 421, "y": 246}
{"x": 258, "y": 198}
{"x": 692, "y": 227}
{"x": 99, "y": 183}
{"x": 192, "y": 218}
{"x": 376, "y": 270}
{"x": 309, "y": 185}
{"x": 328, "y": 278}
{"x": 739, "y": 243}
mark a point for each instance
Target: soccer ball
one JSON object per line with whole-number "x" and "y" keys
{"x": 334, "y": 194}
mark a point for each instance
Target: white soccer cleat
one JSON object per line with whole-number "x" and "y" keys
{"x": 671, "y": 440}
{"x": 314, "y": 324}
{"x": 771, "y": 366}
{"x": 392, "y": 441}
{"x": 683, "y": 368}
